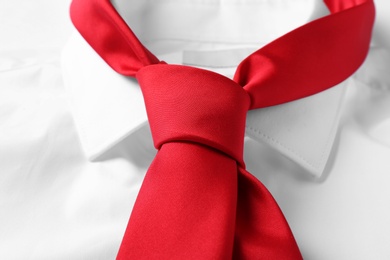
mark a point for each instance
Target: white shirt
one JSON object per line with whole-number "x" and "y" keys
{"x": 75, "y": 145}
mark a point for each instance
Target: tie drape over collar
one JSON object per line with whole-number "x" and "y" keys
{"x": 197, "y": 185}
{"x": 108, "y": 107}
{"x": 303, "y": 130}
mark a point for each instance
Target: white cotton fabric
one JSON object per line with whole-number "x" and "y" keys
{"x": 107, "y": 107}
{"x": 75, "y": 145}
{"x": 303, "y": 130}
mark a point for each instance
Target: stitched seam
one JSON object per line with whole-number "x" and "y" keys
{"x": 218, "y": 2}
{"x": 209, "y": 66}
{"x": 257, "y": 131}
{"x": 203, "y": 39}
{"x": 327, "y": 143}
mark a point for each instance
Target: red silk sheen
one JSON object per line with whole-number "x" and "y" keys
{"x": 99, "y": 22}
{"x": 197, "y": 200}
{"x": 310, "y": 59}
{"x": 208, "y": 108}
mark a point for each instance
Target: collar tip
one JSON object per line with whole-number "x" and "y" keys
{"x": 96, "y": 147}
{"x": 315, "y": 171}
{"x": 93, "y": 154}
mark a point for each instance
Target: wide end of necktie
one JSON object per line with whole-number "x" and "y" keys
{"x": 197, "y": 182}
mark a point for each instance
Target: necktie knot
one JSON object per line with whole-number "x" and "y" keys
{"x": 187, "y": 104}
{"x": 197, "y": 201}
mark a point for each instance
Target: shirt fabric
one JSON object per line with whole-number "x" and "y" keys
{"x": 75, "y": 144}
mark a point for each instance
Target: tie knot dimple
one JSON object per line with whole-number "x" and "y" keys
{"x": 187, "y": 104}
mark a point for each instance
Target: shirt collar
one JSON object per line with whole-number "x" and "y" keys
{"x": 108, "y": 107}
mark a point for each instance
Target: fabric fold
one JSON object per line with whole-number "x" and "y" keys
{"x": 303, "y": 130}
{"x": 106, "y": 107}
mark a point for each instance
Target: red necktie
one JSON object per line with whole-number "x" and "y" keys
{"x": 197, "y": 200}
